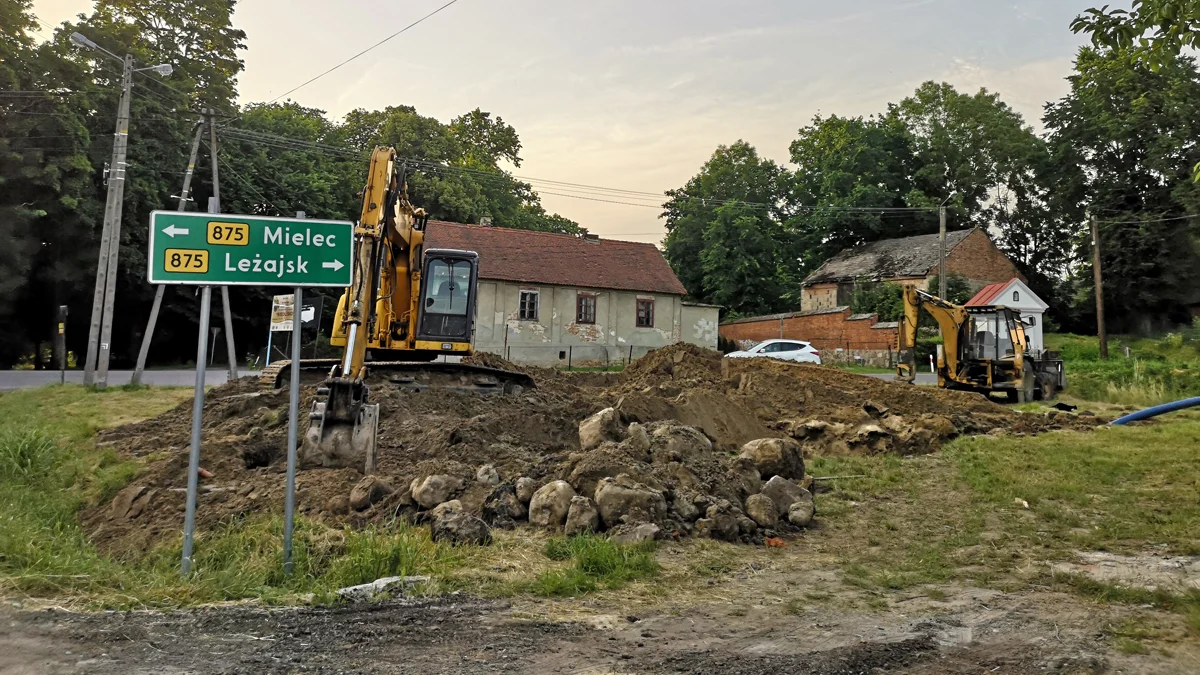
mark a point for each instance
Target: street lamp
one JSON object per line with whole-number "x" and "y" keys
{"x": 103, "y": 298}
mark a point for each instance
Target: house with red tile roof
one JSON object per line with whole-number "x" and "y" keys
{"x": 1014, "y": 294}
{"x": 553, "y": 299}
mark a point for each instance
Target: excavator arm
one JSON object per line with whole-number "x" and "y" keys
{"x": 950, "y": 319}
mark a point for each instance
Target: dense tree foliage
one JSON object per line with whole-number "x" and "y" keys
{"x": 57, "y": 115}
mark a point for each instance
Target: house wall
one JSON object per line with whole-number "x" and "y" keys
{"x": 556, "y": 338}
{"x": 978, "y": 259}
{"x": 818, "y": 297}
{"x": 839, "y": 338}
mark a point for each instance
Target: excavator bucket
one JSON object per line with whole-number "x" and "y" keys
{"x": 342, "y": 428}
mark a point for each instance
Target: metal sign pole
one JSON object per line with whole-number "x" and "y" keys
{"x": 293, "y": 413}
{"x": 189, "y": 519}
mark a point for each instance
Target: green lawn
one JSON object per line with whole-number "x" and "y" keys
{"x": 1157, "y": 370}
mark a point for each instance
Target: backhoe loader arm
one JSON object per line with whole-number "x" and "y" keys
{"x": 950, "y": 319}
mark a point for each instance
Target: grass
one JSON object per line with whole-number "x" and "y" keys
{"x": 594, "y": 563}
{"x": 50, "y": 469}
{"x": 1157, "y": 370}
{"x": 864, "y": 370}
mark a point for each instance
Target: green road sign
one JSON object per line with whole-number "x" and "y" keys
{"x": 221, "y": 249}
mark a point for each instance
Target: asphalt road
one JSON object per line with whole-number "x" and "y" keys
{"x": 26, "y": 379}
{"x": 922, "y": 378}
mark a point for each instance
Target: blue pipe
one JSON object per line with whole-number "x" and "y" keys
{"x": 1158, "y": 410}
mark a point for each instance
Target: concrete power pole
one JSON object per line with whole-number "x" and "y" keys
{"x": 216, "y": 200}
{"x": 1101, "y": 331}
{"x": 184, "y": 198}
{"x": 942, "y": 253}
{"x": 95, "y": 370}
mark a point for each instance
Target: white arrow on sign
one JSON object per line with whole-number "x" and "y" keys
{"x": 335, "y": 265}
{"x": 171, "y": 231}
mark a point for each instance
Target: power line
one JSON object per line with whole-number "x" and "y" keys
{"x": 377, "y": 44}
{"x": 1147, "y": 222}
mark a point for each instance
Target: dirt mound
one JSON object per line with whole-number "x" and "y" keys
{"x": 681, "y": 415}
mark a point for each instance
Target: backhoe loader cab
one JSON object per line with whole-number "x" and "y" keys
{"x": 449, "y": 283}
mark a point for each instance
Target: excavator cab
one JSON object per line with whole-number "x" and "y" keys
{"x": 447, "y": 308}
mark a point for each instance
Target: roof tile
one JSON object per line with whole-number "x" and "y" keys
{"x": 526, "y": 256}
{"x": 886, "y": 259}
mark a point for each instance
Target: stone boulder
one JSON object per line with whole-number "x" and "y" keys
{"x": 525, "y": 488}
{"x": 784, "y": 493}
{"x": 551, "y": 504}
{"x": 448, "y": 522}
{"x": 775, "y": 457}
{"x": 433, "y": 490}
{"x": 720, "y": 521}
{"x": 762, "y": 510}
{"x": 603, "y": 426}
{"x": 801, "y": 512}
{"x": 627, "y": 535}
{"x": 744, "y": 477}
{"x": 674, "y": 442}
{"x": 582, "y": 517}
{"x": 637, "y": 439}
{"x": 487, "y": 475}
{"x": 368, "y": 491}
{"x": 623, "y": 500}
{"x": 502, "y": 508}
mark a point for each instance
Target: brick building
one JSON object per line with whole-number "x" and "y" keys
{"x": 909, "y": 261}
{"x": 841, "y": 337}
{"x": 553, "y": 299}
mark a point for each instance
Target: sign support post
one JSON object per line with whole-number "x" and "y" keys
{"x": 193, "y": 486}
{"x": 293, "y": 423}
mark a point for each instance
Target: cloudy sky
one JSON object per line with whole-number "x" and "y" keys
{"x": 637, "y": 94}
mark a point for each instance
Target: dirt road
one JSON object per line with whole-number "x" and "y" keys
{"x": 978, "y": 631}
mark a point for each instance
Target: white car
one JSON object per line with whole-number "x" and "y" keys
{"x": 785, "y": 350}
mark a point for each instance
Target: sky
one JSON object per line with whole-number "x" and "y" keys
{"x": 637, "y": 95}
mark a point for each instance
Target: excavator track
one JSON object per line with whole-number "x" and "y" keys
{"x": 414, "y": 376}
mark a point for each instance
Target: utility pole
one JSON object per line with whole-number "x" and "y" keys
{"x": 95, "y": 370}
{"x": 942, "y": 252}
{"x": 184, "y": 198}
{"x": 211, "y": 114}
{"x": 1098, "y": 278}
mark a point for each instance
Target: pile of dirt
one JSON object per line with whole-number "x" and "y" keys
{"x": 666, "y": 442}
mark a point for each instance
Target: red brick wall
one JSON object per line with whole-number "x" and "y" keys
{"x": 978, "y": 259}
{"x": 827, "y": 332}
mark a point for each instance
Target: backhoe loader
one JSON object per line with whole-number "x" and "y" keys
{"x": 404, "y": 302}
{"x": 983, "y": 349}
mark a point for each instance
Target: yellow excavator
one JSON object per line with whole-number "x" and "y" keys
{"x": 984, "y": 349}
{"x": 406, "y": 307}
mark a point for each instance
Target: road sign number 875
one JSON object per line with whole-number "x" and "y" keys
{"x": 186, "y": 261}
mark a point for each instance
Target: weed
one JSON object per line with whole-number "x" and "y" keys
{"x": 595, "y": 562}
{"x": 1130, "y": 646}
{"x": 793, "y": 607}
{"x": 26, "y": 454}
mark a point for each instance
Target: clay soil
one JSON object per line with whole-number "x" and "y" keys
{"x": 535, "y": 434}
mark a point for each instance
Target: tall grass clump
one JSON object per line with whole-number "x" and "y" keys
{"x": 595, "y": 563}
{"x": 1133, "y": 381}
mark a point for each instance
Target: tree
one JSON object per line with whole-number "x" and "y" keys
{"x": 1125, "y": 133}
{"x": 885, "y": 300}
{"x": 958, "y": 288}
{"x": 725, "y": 237}
{"x": 1153, "y": 31}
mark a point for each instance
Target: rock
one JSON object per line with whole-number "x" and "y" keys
{"x": 434, "y": 490}
{"x": 338, "y": 505}
{"x": 784, "y": 493}
{"x": 875, "y": 409}
{"x": 775, "y": 457}
{"x": 503, "y": 508}
{"x": 385, "y": 587}
{"x": 603, "y": 426}
{"x": 368, "y": 491}
{"x": 746, "y": 526}
{"x": 582, "y": 517}
{"x": 634, "y": 534}
{"x": 744, "y": 476}
{"x": 487, "y": 475}
{"x": 550, "y": 504}
{"x": 674, "y": 442}
{"x": 622, "y": 499}
{"x": 684, "y": 507}
{"x": 810, "y": 429}
{"x": 762, "y": 509}
{"x": 637, "y": 439}
{"x": 801, "y": 512}
{"x": 525, "y": 489}
{"x": 720, "y": 522}
{"x": 122, "y": 504}
{"x": 450, "y": 523}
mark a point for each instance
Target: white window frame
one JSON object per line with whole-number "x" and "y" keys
{"x": 537, "y": 301}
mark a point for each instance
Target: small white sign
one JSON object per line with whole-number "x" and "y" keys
{"x": 282, "y": 310}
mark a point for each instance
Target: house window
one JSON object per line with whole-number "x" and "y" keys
{"x": 1032, "y": 320}
{"x": 528, "y": 306}
{"x": 645, "y": 314}
{"x": 585, "y": 308}
{"x": 1016, "y": 296}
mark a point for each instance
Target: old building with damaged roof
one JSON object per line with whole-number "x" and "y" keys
{"x": 909, "y": 261}
{"x": 557, "y": 299}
